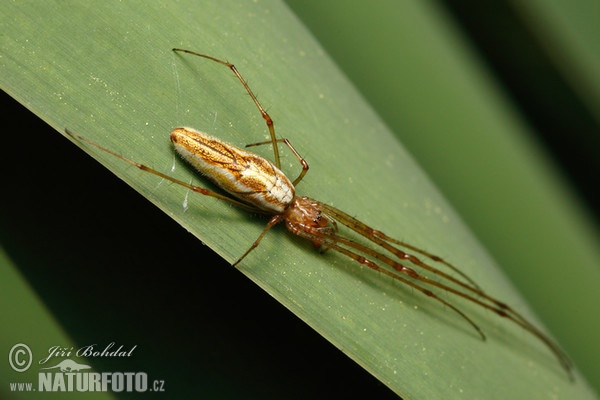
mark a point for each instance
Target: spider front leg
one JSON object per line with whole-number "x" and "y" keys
{"x": 263, "y": 112}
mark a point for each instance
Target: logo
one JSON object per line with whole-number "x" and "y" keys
{"x": 69, "y": 366}
{"x": 71, "y": 370}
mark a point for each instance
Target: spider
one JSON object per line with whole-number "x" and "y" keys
{"x": 257, "y": 185}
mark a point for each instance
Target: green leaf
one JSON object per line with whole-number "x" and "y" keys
{"x": 106, "y": 71}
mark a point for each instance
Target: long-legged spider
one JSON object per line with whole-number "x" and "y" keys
{"x": 259, "y": 186}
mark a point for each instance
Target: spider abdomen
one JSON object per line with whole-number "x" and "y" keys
{"x": 247, "y": 176}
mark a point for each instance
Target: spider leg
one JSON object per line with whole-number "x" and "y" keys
{"x": 301, "y": 160}
{"x": 373, "y": 265}
{"x": 381, "y": 239}
{"x": 427, "y": 254}
{"x": 263, "y": 112}
{"x": 500, "y": 308}
{"x": 502, "y": 311}
{"x": 333, "y": 243}
{"x": 272, "y": 222}
{"x": 361, "y": 254}
{"x": 197, "y": 189}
